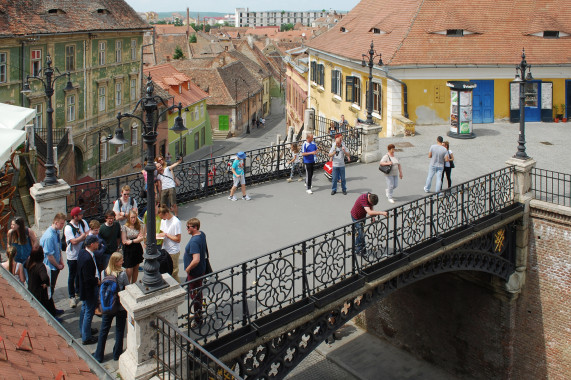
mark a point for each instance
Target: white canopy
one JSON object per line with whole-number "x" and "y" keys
{"x": 13, "y": 119}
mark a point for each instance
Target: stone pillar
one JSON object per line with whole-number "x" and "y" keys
{"x": 309, "y": 120}
{"x": 49, "y": 200}
{"x": 370, "y": 144}
{"x": 522, "y": 190}
{"x": 142, "y": 309}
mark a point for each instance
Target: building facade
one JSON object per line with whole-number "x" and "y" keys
{"x": 100, "y": 46}
{"x": 243, "y": 17}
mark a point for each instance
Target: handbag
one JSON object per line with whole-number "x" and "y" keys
{"x": 386, "y": 168}
{"x": 208, "y": 266}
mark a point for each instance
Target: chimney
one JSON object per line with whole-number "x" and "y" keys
{"x": 187, "y": 22}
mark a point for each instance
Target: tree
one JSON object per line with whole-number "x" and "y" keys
{"x": 286, "y": 27}
{"x": 178, "y": 22}
{"x": 178, "y": 54}
{"x": 192, "y": 38}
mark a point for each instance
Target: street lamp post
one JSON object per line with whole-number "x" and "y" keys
{"x": 371, "y": 55}
{"x": 523, "y": 74}
{"x": 52, "y": 74}
{"x": 152, "y": 279}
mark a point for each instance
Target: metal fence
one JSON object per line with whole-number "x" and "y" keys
{"x": 203, "y": 178}
{"x": 179, "y": 357}
{"x": 551, "y": 186}
{"x": 249, "y": 292}
{"x": 329, "y": 127}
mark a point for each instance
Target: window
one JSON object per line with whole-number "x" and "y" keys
{"x": 70, "y": 58}
{"x": 376, "y": 97}
{"x": 196, "y": 112}
{"x": 202, "y": 111}
{"x": 317, "y": 73}
{"x": 3, "y": 76}
{"x": 36, "y": 62}
{"x": 133, "y": 50}
{"x": 455, "y": 32}
{"x": 336, "y": 82}
{"x": 203, "y": 136}
{"x": 71, "y": 108}
{"x": 38, "y": 121}
{"x": 313, "y": 71}
{"x": 104, "y": 150}
{"x": 118, "y": 47}
{"x": 353, "y": 90}
{"x": 118, "y": 93}
{"x": 102, "y": 50}
{"x": 102, "y": 98}
{"x": 197, "y": 141}
{"x": 551, "y": 34}
{"x": 133, "y": 89}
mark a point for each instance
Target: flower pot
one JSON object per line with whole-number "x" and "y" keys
{"x": 564, "y": 120}
{"x": 556, "y": 120}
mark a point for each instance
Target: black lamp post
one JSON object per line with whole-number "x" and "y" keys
{"x": 372, "y": 54}
{"x": 51, "y": 75}
{"x": 522, "y": 75}
{"x": 152, "y": 279}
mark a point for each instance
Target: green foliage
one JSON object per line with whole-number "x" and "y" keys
{"x": 178, "y": 54}
{"x": 178, "y": 23}
{"x": 201, "y": 27}
{"x": 159, "y": 22}
{"x": 286, "y": 27}
{"x": 192, "y": 38}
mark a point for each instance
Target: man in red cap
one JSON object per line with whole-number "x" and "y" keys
{"x": 74, "y": 233}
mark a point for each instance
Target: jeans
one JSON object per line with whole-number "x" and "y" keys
{"x": 120, "y": 323}
{"x": 392, "y": 184}
{"x": 448, "y": 172}
{"x": 338, "y": 172}
{"x": 359, "y": 235}
{"x": 434, "y": 171}
{"x": 308, "y": 174}
{"x": 72, "y": 279}
{"x": 86, "y": 315}
{"x": 195, "y": 292}
{"x": 295, "y": 167}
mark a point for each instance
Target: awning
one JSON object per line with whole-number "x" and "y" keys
{"x": 13, "y": 119}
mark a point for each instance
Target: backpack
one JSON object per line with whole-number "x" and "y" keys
{"x": 165, "y": 262}
{"x": 109, "y": 295}
{"x": 74, "y": 231}
{"x": 131, "y": 202}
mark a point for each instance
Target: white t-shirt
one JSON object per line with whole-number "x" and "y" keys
{"x": 447, "y": 163}
{"x": 120, "y": 206}
{"x": 167, "y": 179}
{"x": 72, "y": 250}
{"x": 172, "y": 227}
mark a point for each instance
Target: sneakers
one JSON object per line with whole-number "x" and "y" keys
{"x": 246, "y": 197}
{"x": 333, "y": 192}
{"x": 289, "y": 179}
{"x": 299, "y": 180}
{"x": 232, "y": 198}
{"x": 309, "y": 191}
{"x": 89, "y": 341}
{"x": 426, "y": 190}
{"x": 391, "y": 200}
{"x": 387, "y": 192}
{"x": 344, "y": 192}
{"x": 72, "y": 302}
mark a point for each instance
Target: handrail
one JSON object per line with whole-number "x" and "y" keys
{"x": 551, "y": 186}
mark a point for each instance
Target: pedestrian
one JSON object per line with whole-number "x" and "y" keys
{"x": 100, "y": 257}
{"x": 74, "y": 232}
{"x": 12, "y": 266}
{"x": 89, "y": 282}
{"x": 396, "y": 170}
{"x": 53, "y": 259}
{"x": 295, "y": 162}
{"x": 168, "y": 185}
{"x": 22, "y": 238}
{"x": 194, "y": 262}
{"x": 308, "y": 151}
{"x": 362, "y": 208}
{"x": 448, "y": 164}
{"x": 337, "y": 153}
{"x": 436, "y": 155}
{"x": 124, "y": 204}
{"x": 158, "y": 221}
{"x": 132, "y": 236}
{"x": 39, "y": 280}
{"x": 332, "y": 129}
{"x": 238, "y": 177}
{"x": 110, "y": 232}
{"x": 343, "y": 125}
{"x": 171, "y": 235}
{"x": 113, "y": 269}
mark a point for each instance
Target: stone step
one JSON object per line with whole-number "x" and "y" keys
{"x": 220, "y": 135}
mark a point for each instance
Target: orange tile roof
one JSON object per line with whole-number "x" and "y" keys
{"x": 501, "y": 29}
{"x": 171, "y": 29}
{"x": 169, "y": 78}
{"x": 50, "y": 352}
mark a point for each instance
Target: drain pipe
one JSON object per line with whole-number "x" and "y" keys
{"x": 404, "y": 92}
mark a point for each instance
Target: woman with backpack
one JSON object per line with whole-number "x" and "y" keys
{"x": 114, "y": 281}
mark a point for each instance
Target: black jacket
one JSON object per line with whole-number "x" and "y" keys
{"x": 86, "y": 272}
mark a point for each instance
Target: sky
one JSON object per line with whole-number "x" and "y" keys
{"x": 226, "y": 6}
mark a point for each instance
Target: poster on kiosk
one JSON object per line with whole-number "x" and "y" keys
{"x": 461, "y": 109}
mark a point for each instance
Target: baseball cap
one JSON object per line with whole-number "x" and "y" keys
{"x": 76, "y": 211}
{"x": 90, "y": 239}
{"x": 241, "y": 155}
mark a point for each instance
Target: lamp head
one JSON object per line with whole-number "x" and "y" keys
{"x": 119, "y": 138}
{"x": 178, "y": 126}
{"x": 26, "y": 89}
{"x": 69, "y": 85}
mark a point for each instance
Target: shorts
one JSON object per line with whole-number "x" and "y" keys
{"x": 239, "y": 180}
{"x": 168, "y": 197}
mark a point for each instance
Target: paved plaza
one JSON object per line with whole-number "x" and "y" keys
{"x": 282, "y": 213}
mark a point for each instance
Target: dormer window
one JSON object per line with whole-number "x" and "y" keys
{"x": 377, "y": 31}
{"x": 551, "y": 34}
{"x": 103, "y": 11}
{"x": 56, "y": 11}
{"x": 454, "y": 32}
{"x": 343, "y": 30}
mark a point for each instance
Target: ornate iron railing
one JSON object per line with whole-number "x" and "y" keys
{"x": 246, "y": 294}
{"x": 325, "y": 126}
{"x": 179, "y": 357}
{"x": 202, "y": 178}
{"x": 551, "y": 186}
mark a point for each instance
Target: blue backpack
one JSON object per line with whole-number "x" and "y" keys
{"x": 109, "y": 295}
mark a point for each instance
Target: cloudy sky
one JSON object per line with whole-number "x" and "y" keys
{"x": 227, "y": 6}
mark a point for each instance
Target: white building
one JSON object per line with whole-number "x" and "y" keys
{"x": 244, "y": 17}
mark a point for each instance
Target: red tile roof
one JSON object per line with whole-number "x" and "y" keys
{"x": 50, "y": 352}
{"x": 169, "y": 78}
{"x": 408, "y": 32}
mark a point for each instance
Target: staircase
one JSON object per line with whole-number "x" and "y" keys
{"x": 220, "y": 135}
